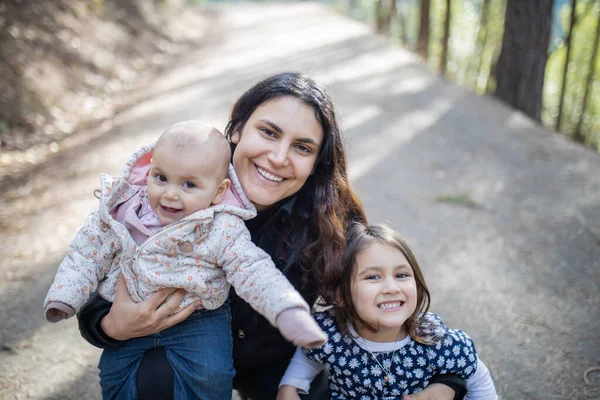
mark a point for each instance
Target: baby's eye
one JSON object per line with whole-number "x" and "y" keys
{"x": 161, "y": 178}
{"x": 189, "y": 185}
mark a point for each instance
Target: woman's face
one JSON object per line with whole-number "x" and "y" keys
{"x": 277, "y": 150}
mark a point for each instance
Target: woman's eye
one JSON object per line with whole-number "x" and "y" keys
{"x": 304, "y": 149}
{"x": 161, "y": 178}
{"x": 189, "y": 185}
{"x": 267, "y": 132}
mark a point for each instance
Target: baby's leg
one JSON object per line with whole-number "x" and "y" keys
{"x": 199, "y": 350}
{"x": 118, "y": 368}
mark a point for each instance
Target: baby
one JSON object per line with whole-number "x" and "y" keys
{"x": 175, "y": 218}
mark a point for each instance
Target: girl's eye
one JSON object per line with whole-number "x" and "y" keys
{"x": 161, "y": 178}
{"x": 189, "y": 185}
{"x": 402, "y": 275}
{"x": 372, "y": 277}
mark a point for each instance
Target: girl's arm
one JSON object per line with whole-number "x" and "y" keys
{"x": 300, "y": 373}
{"x": 480, "y": 386}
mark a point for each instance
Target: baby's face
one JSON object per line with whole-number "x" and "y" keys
{"x": 180, "y": 183}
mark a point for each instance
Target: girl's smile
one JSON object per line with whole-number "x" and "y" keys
{"x": 384, "y": 292}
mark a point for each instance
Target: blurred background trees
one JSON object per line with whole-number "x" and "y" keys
{"x": 539, "y": 56}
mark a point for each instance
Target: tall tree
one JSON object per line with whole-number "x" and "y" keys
{"x": 474, "y": 67}
{"x": 423, "y": 38}
{"x": 446, "y": 38}
{"x": 567, "y": 43}
{"x": 590, "y": 79}
{"x": 522, "y": 62}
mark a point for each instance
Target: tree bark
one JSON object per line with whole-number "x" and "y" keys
{"x": 522, "y": 62}
{"x": 566, "y": 66}
{"x": 423, "y": 38}
{"x": 445, "y": 39}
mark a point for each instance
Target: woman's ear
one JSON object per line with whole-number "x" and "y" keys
{"x": 221, "y": 190}
{"x": 235, "y": 138}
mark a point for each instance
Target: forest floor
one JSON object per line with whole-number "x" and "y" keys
{"x": 504, "y": 216}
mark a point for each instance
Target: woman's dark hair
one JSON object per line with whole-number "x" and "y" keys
{"x": 326, "y": 199}
{"x": 358, "y": 237}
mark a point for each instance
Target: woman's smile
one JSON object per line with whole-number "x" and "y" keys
{"x": 267, "y": 175}
{"x": 276, "y": 150}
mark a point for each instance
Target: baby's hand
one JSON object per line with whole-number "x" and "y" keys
{"x": 57, "y": 311}
{"x": 287, "y": 392}
{"x": 297, "y": 326}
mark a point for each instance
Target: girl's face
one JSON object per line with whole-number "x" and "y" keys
{"x": 277, "y": 150}
{"x": 384, "y": 292}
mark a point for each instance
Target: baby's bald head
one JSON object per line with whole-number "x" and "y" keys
{"x": 205, "y": 141}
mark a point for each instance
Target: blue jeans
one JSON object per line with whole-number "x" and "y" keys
{"x": 198, "y": 349}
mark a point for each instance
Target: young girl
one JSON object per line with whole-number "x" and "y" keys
{"x": 382, "y": 342}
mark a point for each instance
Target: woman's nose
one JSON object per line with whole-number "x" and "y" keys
{"x": 278, "y": 156}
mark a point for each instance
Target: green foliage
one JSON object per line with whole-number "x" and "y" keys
{"x": 578, "y": 70}
{"x": 474, "y": 49}
{"x": 462, "y": 199}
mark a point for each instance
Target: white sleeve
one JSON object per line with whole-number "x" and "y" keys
{"x": 301, "y": 371}
{"x": 480, "y": 386}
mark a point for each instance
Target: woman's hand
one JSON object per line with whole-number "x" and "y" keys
{"x": 127, "y": 319}
{"x": 435, "y": 391}
{"x": 287, "y": 392}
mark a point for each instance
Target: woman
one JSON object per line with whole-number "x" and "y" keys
{"x": 290, "y": 160}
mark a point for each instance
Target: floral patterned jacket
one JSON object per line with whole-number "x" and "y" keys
{"x": 204, "y": 253}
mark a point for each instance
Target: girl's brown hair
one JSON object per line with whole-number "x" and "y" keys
{"x": 326, "y": 200}
{"x": 339, "y": 294}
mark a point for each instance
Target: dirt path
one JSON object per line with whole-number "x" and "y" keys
{"x": 504, "y": 216}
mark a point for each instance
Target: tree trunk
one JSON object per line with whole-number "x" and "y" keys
{"x": 588, "y": 86}
{"x": 445, "y": 39}
{"x": 423, "y": 38}
{"x": 566, "y": 66}
{"x": 522, "y": 62}
{"x": 480, "y": 42}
